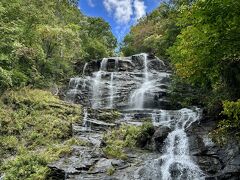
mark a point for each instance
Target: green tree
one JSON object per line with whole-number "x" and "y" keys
{"x": 42, "y": 40}
{"x": 207, "y": 51}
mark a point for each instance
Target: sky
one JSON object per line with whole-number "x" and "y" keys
{"x": 120, "y": 14}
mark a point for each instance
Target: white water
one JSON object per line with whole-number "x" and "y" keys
{"x": 73, "y": 89}
{"x": 97, "y": 85}
{"x": 145, "y": 66}
{"x": 85, "y": 117}
{"x": 96, "y": 90}
{"x": 177, "y": 154}
{"x": 138, "y": 96}
{"x": 104, "y": 64}
{"x": 111, "y": 90}
{"x": 175, "y": 162}
{"x": 84, "y": 69}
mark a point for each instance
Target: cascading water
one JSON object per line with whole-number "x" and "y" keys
{"x": 137, "y": 86}
{"x": 86, "y": 126}
{"x": 96, "y": 90}
{"x": 97, "y": 84}
{"x": 111, "y": 98}
{"x": 176, "y": 160}
{"x": 73, "y": 89}
{"x": 137, "y": 97}
{"x": 84, "y": 69}
{"x": 145, "y": 67}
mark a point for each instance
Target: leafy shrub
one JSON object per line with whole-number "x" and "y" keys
{"x": 126, "y": 137}
{"x": 27, "y": 166}
{"x": 36, "y": 129}
{"x": 228, "y": 128}
{"x": 5, "y": 79}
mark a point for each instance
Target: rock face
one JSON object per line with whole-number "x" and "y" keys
{"x": 138, "y": 87}
{"x": 159, "y": 137}
{"x": 139, "y": 81}
{"x": 217, "y": 162}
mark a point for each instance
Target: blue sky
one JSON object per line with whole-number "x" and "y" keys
{"x": 120, "y": 14}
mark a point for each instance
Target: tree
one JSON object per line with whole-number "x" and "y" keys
{"x": 207, "y": 50}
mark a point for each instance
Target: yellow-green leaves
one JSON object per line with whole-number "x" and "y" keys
{"x": 230, "y": 127}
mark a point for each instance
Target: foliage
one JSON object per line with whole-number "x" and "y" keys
{"x": 35, "y": 130}
{"x": 108, "y": 116}
{"x": 111, "y": 171}
{"x": 206, "y": 53}
{"x": 125, "y": 137}
{"x": 154, "y": 33}
{"x": 201, "y": 40}
{"x": 230, "y": 127}
{"x": 5, "y": 79}
{"x": 40, "y": 48}
{"x": 26, "y": 167}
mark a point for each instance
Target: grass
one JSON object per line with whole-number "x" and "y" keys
{"x": 35, "y": 130}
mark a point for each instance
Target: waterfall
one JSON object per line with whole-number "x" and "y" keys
{"x": 138, "y": 96}
{"x": 97, "y": 85}
{"x": 116, "y": 64}
{"x": 111, "y": 94}
{"x": 176, "y": 161}
{"x": 103, "y": 66}
{"x": 96, "y": 90}
{"x": 84, "y": 69}
{"x": 85, "y": 117}
{"x": 145, "y": 67}
{"x": 138, "y": 87}
{"x": 73, "y": 89}
{"x": 176, "y": 155}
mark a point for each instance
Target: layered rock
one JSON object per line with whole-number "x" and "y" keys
{"x": 138, "y": 86}
{"x": 118, "y": 82}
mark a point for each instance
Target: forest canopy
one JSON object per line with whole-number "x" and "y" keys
{"x": 41, "y": 40}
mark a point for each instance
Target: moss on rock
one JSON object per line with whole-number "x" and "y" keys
{"x": 130, "y": 137}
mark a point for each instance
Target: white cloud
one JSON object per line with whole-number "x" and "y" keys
{"x": 91, "y": 3}
{"x": 124, "y": 10}
{"x": 140, "y": 9}
{"x": 121, "y": 9}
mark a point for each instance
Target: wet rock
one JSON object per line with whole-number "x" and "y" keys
{"x": 209, "y": 164}
{"x": 125, "y": 65}
{"x": 157, "y": 65}
{"x": 144, "y": 139}
{"x": 81, "y": 160}
{"x": 218, "y": 162}
{"x": 159, "y": 136}
{"x": 56, "y": 174}
{"x": 99, "y": 125}
{"x": 103, "y": 165}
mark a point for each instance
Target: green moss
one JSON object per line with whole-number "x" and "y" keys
{"x": 126, "y": 136}
{"x": 77, "y": 141}
{"x": 111, "y": 171}
{"x": 35, "y": 130}
{"x": 108, "y": 116}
